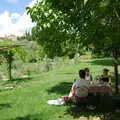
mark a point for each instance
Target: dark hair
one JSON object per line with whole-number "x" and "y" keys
{"x": 82, "y": 73}
{"x": 105, "y": 79}
{"x": 86, "y": 69}
{"x": 105, "y": 70}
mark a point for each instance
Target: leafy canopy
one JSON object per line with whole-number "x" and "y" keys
{"x": 63, "y": 26}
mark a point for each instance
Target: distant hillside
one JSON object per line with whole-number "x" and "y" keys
{"x": 8, "y": 40}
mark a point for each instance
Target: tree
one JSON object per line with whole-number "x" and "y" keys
{"x": 77, "y": 23}
{"x": 52, "y": 32}
{"x": 8, "y": 53}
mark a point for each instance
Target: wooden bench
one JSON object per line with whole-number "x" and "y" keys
{"x": 96, "y": 96}
{"x": 101, "y": 90}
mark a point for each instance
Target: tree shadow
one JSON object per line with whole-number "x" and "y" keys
{"x": 61, "y": 88}
{"x": 104, "y": 62}
{"x": 6, "y": 89}
{"x": 17, "y": 81}
{"x": 30, "y": 117}
{"x": 68, "y": 73}
{"x": 10, "y": 85}
{"x": 106, "y": 107}
{"x": 78, "y": 112}
{"x": 6, "y": 105}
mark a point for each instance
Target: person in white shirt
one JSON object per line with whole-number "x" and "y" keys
{"x": 88, "y": 76}
{"x": 80, "y": 87}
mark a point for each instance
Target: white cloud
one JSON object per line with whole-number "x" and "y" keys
{"x": 23, "y": 23}
{"x": 5, "y": 20}
{"x": 15, "y": 16}
{"x": 33, "y": 2}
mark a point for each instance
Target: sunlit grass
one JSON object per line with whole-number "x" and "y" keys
{"x": 26, "y": 99}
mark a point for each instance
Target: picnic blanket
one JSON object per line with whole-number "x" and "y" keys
{"x": 59, "y": 101}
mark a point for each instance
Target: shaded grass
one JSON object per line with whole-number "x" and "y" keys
{"x": 90, "y": 114}
{"x": 30, "y": 117}
{"x": 28, "y": 98}
{"x": 61, "y": 88}
{"x": 6, "y": 105}
{"x": 104, "y": 62}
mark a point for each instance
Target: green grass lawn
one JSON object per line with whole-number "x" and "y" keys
{"x": 27, "y": 100}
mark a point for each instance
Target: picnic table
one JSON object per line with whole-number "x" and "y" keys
{"x": 95, "y": 93}
{"x": 97, "y": 96}
{"x": 101, "y": 90}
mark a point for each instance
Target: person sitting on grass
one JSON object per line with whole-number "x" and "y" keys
{"x": 106, "y": 75}
{"x": 88, "y": 76}
{"x": 103, "y": 81}
{"x": 79, "y": 88}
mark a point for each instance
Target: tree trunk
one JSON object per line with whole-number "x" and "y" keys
{"x": 116, "y": 69}
{"x": 10, "y": 59}
{"x": 9, "y": 68}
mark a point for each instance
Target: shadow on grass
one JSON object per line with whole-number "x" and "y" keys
{"x": 61, "y": 88}
{"x": 6, "y": 105}
{"x": 78, "y": 112}
{"x": 106, "y": 108}
{"x": 30, "y": 117}
{"x": 68, "y": 73}
{"x": 17, "y": 81}
{"x": 10, "y": 85}
{"x": 104, "y": 62}
{"x": 4, "y": 89}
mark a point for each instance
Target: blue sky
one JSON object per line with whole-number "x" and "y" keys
{"x": 13, "y": 17}
{"x": 13, "y": 5}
